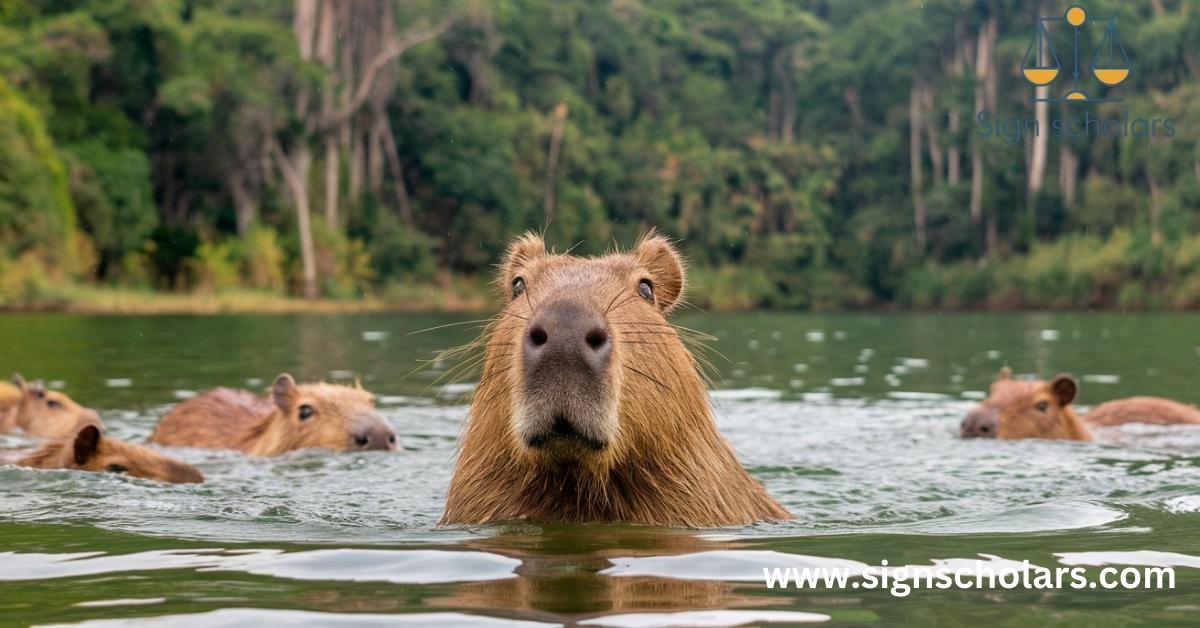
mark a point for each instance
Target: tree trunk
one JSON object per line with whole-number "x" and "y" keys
{"x": 332, "y": 170}
{"x": 984, "y": 97}
{"x": 1037, "y": 161}
{"x": 295, "y": 175}
{"x": 954, "y": 122}
{"x": 556, "y": 133}
{"x": 1155, "y": 207}
{"x": 914, "y": 155}
{"x": 1068, "y": 174}
{"x": 398, "y": 183}
{"x": 931, "y": 129}
{"x": 245, "y": 209}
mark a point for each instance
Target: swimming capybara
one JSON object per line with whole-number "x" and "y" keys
{"x": 89, "y": 450}
{"x": 1042, "y": 409}
{"x": 292, "y": 416}
{"x": 32, "y": 409}
{"x": 589, "y": 408}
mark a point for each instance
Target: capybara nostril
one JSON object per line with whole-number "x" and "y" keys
{"x": 361, "y": 440}
{"x": 979, "y": 425}
{"x": 538, "y": 336}
{"x": 596, "y": 338}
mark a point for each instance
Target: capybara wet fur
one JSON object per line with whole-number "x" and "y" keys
{"x": 30, "y": 408}
{"x": 590, "y": 408}
{"x": 89, "y": 450}
{"x": 291, "y": 416}
{"x": 1026, "y": 408}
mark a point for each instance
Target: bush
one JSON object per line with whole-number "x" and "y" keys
{"x": 263, "y": 260}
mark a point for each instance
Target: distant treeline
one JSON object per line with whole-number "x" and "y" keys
{"x": 807, "y": 153}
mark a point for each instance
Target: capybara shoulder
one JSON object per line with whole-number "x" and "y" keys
{"x": 1018, "y": 408}
{"x": 292, "y": 416}
{"x": 590, "y": 408}
{"x": 31, "y": 408}
{"x": 1155, "y": 410}
{"x": 89, "y": 450}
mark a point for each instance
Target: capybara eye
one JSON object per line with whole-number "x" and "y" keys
{"x": 115, "y": 468}
{"x": 518, "y": 287}
{"x": 646, "y": 290}
{"x": 306, "y": 412}
{"x": 54, "y": 403}
{"x": 1042, "y": 406}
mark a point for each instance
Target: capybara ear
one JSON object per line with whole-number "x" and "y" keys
{"x": 529, "y": 246}
{"x": 38, "y": 389}
{"x": 656, "y": 254}
{"x": 86, "y": 441}
{"x": 19, "y": 382}
{"x": 282, "y": 391}
{"x": 1005, "y": 373}
{"x": 1064, "y": 388}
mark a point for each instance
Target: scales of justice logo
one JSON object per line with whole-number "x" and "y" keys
{"x": 1110, "y": 63}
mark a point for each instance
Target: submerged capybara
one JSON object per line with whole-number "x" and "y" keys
{"x": 292, "y": 416}
{"x": 1042, "y": 409}
{"x": 30, "y": 408}
{"x": 589, "y": 408}
{"x": 89, "y": 450}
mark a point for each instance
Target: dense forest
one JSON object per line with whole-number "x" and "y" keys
{"x": 806, "y": 153}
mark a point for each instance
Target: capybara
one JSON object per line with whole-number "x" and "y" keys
{"x": 1042, "y": 409}
{"x": 589, "y": 408}
{"x": 32, "y": 409}
{"x": 89, "y": 450}
{"x": 292, "y": 416}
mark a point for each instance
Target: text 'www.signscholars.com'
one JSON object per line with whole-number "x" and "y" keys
{"x": 901, "y": 581}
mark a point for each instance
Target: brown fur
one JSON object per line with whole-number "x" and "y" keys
{"x": 223, "y": 418}
{"x": 1016, "y": 407}
{"x": 1154, "y": 410}
{"x": 666, "y": 465}
{"x": 36, "y": 411}
{"x": 89, "y": 450}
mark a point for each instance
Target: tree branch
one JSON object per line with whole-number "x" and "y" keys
{"x": 394, "y": 49}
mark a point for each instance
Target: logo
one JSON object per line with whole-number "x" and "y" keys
{"x": 1110, "y": 63}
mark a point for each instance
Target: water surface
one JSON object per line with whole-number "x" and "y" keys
{"x": 849, "y": 420}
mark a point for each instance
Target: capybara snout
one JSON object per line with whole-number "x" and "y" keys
{"x": 979, "y": 423}
{"x": 372, "y": 431}
{"x": 566, "y": 352}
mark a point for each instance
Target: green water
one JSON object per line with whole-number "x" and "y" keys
{"x": 849, "y": 420}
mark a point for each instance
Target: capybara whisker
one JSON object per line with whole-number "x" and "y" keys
{"x": 484, "y": 322}
{"x": 557, "y": 431}
{"x": 648, "y": 376}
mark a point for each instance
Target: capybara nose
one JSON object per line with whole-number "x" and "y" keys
{"x": 378, "y": 434}
{"x": 567, "y": 335}
{"x": 979, "y": 424}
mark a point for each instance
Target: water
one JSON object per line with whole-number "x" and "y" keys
{"x": 849, "y": 420}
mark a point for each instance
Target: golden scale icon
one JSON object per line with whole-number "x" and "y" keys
{"x": 1041, "y": 64}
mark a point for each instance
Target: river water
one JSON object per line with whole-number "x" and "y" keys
{"x": 849, "y": 420}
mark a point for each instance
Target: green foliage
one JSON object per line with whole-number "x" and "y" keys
{"x": 36, "y": 213}
{"x": 770, "y": 138}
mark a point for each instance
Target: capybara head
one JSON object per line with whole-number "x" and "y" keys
{"x": 589, "y": 407}
{"x": 1026, "y": 409}
{"x": 89, "y": 450}
{"x": 324, "y": 415}
{"x": 588, "y": 348}
{"x": 46, "y": 413}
